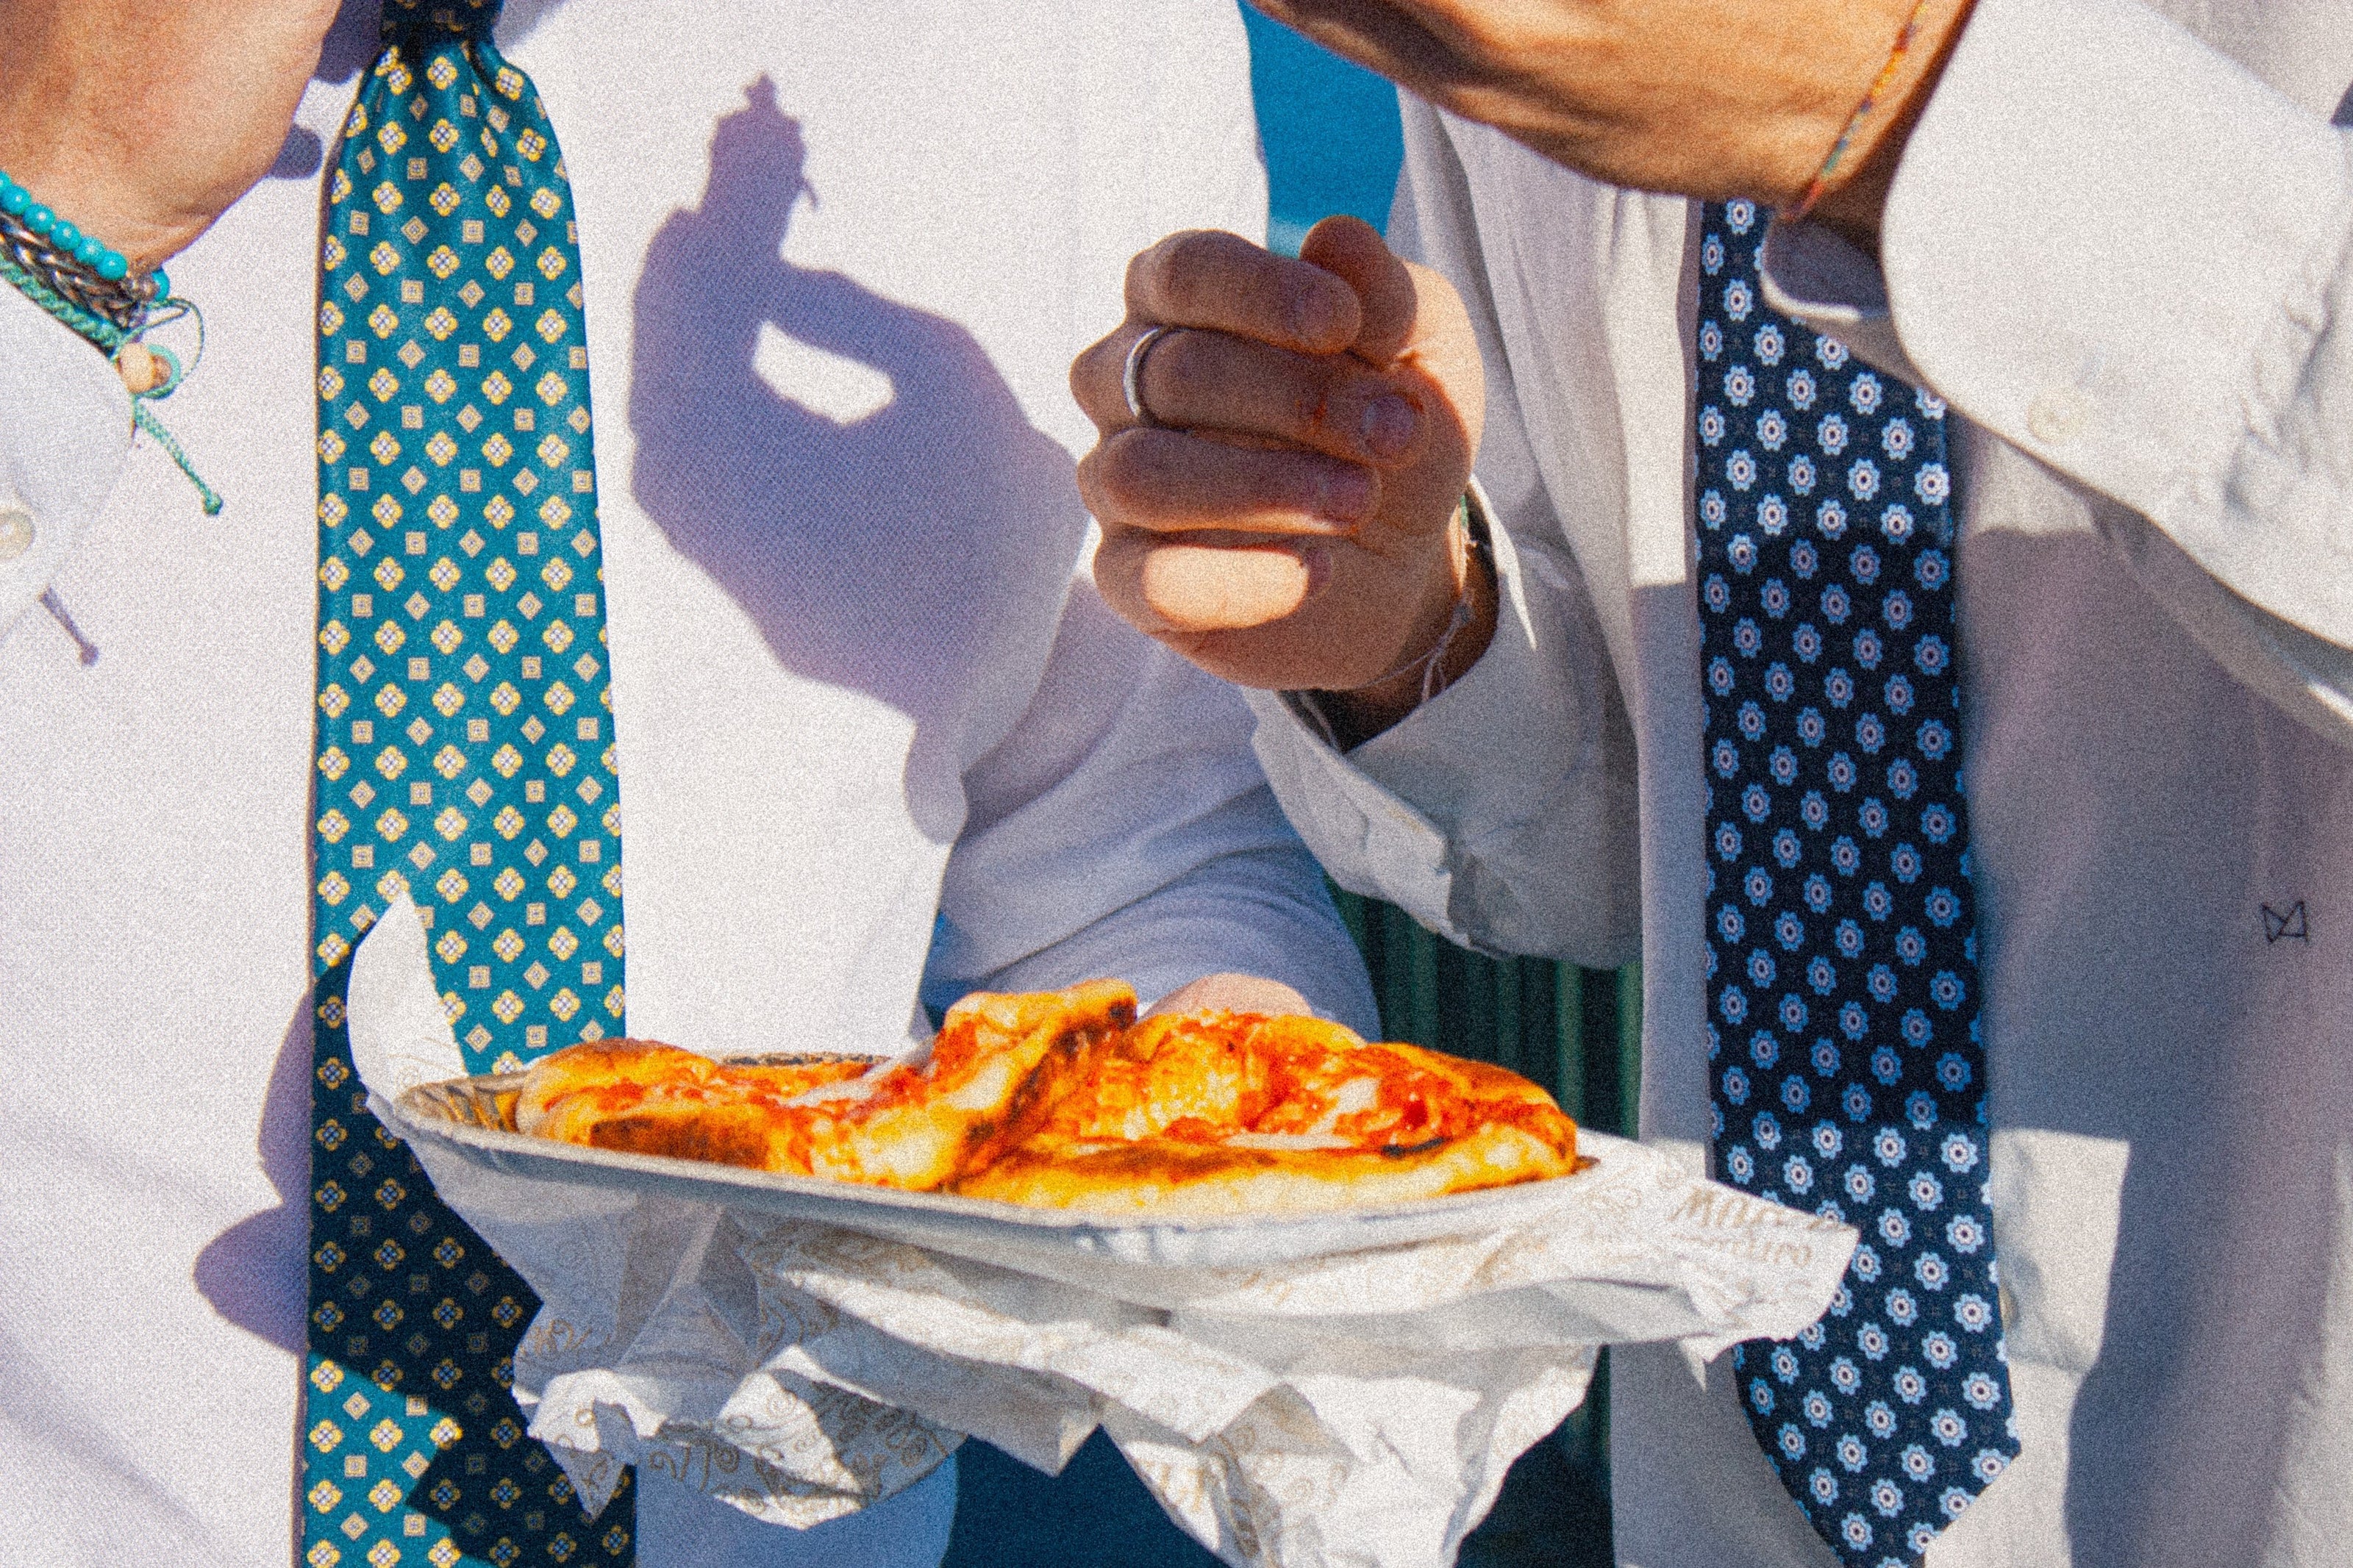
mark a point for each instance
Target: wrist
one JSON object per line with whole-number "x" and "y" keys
{"x": 1457, "y": 624}
{"x": 1849, "y": 191}
{"x": 98, "y": 206}
{"x": 48, "y": 254}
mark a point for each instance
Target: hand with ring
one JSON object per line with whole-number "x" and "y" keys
{"x": 1284, "y": 443}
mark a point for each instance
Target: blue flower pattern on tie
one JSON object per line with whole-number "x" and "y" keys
{"x": 1843, "y": 1043}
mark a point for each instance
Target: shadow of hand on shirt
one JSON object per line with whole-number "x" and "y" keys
{"x": 852, "y": 471}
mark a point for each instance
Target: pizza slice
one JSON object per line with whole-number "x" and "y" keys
{"x": 1222, "y": 1114}
{"x": 911, "y": 1124}
{"x": 647, "y": 1097}
{"x": 1061, "y": 1099}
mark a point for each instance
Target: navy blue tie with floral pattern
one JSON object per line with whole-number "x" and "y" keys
{"x": 1843, "y": 1042}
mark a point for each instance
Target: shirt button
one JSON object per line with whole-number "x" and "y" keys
{"x": 2058, "y": 415}
{"x": 15, "y": 532}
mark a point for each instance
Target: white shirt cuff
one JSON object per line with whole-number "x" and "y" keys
{"x": 65, "y": 427}
{"x": 1432, "y": 815}
{"x": 2116, "y": 249}
{"x": 1818, "y": 280}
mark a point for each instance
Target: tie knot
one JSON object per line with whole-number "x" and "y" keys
{"x": 426, "y": 19}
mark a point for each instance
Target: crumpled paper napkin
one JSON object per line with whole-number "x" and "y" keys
{"x": 1329, "y": 1392}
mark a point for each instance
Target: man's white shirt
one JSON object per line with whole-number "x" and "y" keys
{"x": 2120, "y": 250}
{"x": 838, "y": 259}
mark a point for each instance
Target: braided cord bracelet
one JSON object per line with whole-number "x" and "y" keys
{"x": 89, "y": 286}
{"x": 1820, "y": 183}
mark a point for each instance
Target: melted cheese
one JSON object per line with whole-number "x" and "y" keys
{"x": 1054, "y": 1099}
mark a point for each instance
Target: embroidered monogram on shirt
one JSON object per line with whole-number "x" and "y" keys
{"x": 2286, "y": 925}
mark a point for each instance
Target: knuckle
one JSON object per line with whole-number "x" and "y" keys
{"x": 1144, "y": 273}
{"x": 1195, "y": 265}
{"x": 1087, "y": 375}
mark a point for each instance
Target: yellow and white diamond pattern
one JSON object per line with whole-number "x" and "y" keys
{"x": 464, "y": 757}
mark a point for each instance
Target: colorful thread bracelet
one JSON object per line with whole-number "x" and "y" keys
{"x": 89, "y": 286}
{"x": 1820, "y": 185}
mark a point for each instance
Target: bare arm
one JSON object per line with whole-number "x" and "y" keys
{"x": 1703, "y": 97}
{"x": 141, "y": 120}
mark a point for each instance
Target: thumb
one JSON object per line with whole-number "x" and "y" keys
{"x": 1353, "y": 250}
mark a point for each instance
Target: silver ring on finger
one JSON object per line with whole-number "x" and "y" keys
{"x": 1130, "y": 376}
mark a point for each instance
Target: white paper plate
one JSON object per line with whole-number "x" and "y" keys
{"x": 984, "y": 1226}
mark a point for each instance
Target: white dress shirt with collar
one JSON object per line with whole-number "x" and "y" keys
{"x": 2118, "y": 246}
{"x": 875, "y": 729}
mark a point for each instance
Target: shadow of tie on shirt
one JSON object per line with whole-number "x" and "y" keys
{"x": 852, "y": 471}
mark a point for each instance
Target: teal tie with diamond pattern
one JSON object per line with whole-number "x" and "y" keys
{"x": 465, "y": 756}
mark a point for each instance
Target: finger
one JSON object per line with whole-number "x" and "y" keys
{"x": 1353, "y": 250}
{"x": 1099, "y": 376}
{"x": 1169, "y": 481}
{"x": 1232, "y": 993}
{"x": 1185, "y": 589}
{"x": 1203, "y": 277}
{"x": 1444, "y": 347}
{"x": 1095, "y": 378}
{"x": 1196, "y": 380}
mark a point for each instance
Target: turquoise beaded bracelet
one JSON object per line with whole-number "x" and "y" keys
{"x": 86, "y": 249}
{"x": 88, "y": 285}
{"x": 81, "y": 266}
